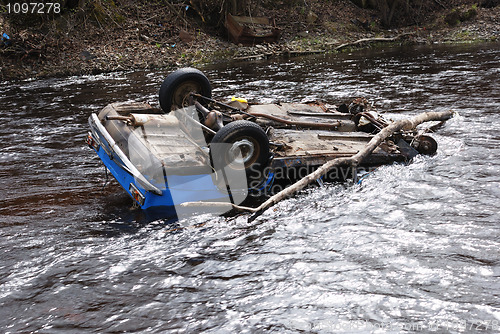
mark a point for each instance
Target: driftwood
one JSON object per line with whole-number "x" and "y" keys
{"x": 353, "y": 161}
{"x": 370, "y": 40}
{"x": 326, "y": 48}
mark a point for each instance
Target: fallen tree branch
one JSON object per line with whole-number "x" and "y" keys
{"x": 440, "y": 3}
{"x": 174, "y": 10}
{"x": 326, "y": 48}
{"x": 353, "y": 161}
{"x": 370, "y": 40}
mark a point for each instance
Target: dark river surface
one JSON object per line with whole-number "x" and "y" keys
{"x": 413, "y": 249}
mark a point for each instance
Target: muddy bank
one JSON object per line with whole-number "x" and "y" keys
{"x": 157, "y": 37}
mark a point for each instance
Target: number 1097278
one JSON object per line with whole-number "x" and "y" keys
{"x": 33, "y": 8}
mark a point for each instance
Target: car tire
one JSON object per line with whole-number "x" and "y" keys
{"x": 175, "y": 89}
{"x": 247, "y": 138}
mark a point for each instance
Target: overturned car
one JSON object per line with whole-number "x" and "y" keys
{"x": 195, "y": 148}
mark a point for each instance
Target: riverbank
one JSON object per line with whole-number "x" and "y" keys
{"x": 141, "y": 39}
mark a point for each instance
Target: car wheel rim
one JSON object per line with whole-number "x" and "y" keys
{"x": 182, "y": 92}
{"x": 242, "y": 152}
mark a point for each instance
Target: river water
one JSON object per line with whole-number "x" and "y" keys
{"x": 413, "y": 249}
